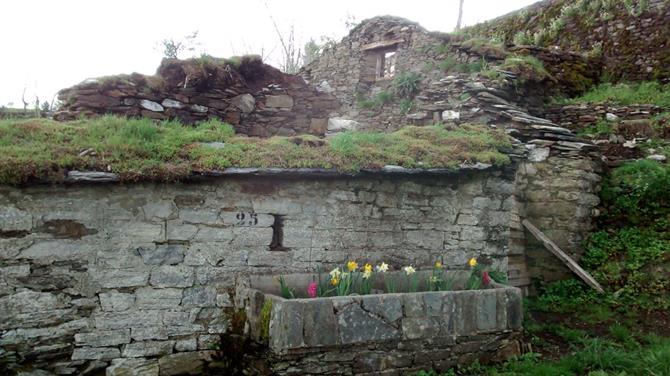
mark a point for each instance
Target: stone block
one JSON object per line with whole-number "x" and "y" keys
{"x": 95, "y": 353}
{"x": 244, "y": 102}
{"x": 13, "y": 219}
{"x": 127, "y": 319}
{"x": 246, "y": 219}
{"x": 103, "y": 338}
{"x": 192, "y": 363}
{"x": 433, "y": 303}
{"x": 486, "y": 306}
{"x": 147, "y": 348}
{"x": 465, "y": 313}
{"x": 425, "y": 239}
{"x": 467, "y": 220}
{"x": 116, "y": 301}
{"x": 163, "y": 254}
{"x": 389, "y": 307}
{"x": 118, "y": 278}
{"x": 199, "y": 296}
{"x": 279, "y": 101}
{"x": 150, "y": 332}
{"x": 319, "y": 326}
{"x": 286, "y": 326}
{"x": 223, "y": 300}
{"x": 359, "y": 326}
{"x": 189, "y": 344}
{"x": 160, "y": 210}
{"x": 420, "y": 327}
{"x": 172, "y": 276}
{"x": 514, "y": 309}
{"x": 133, "y": 367}
{"x": 413, "y": 305}
{"x": 152, "y": 298}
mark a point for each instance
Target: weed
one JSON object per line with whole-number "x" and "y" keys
{"x": 406, "y": 84}
{"x": 406, "y": 105}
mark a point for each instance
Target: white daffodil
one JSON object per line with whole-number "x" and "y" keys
{"x": 384, "y": 267}
{"x": 409, "y": 270}
{"x": 335, "y": 273}
{"x": 367, "y": 274}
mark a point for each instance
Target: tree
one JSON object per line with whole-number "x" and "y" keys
{"x": 171, "y": 48}
{"x": 460, "y": 14}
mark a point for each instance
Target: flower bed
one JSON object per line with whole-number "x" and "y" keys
{"x": 381, "y": 332}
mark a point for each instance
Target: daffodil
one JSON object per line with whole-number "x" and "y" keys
{"x": 367, "y": 274}
{"x": 383, "y": 268}
{"x": 409, "y": 270}
{"x": 352, "y": 266}
{"x": 438, "y": 264}
{"x": 367, "y": 268}
{"x": 334, "y": 281}
{"x": 472, "y": 262}
{"x": 335, "y": 273}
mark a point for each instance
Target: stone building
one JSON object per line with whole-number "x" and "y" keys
{"x": 151, "y": 277}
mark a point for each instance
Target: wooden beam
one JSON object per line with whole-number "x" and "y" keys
{"x": 567, "y": 260}
{"x": 382, "y": 44}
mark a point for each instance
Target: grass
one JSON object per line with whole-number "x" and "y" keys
{"x": 650, "y": 92}
{"x": 376, "y": 102}
{"x": 526, "y": 66}
{"x": 141, "y": 149}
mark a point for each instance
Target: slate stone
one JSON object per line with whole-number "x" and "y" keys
{"x": 465, "y": 318}
{"x": 147, "y": 348}
{"x": 200, "y": 296}
{"x": 413, "y": 305}
{"x": 279, "y": 101}
{"x": 95, "y": 353}
{"x": 286, "y": 325}
{"x": 151, "y": 105}
{"x": 147, "y": 297}
{"x": 358, "y": 326}
{"x": 172, "y": 276}
{"x": 389, "y": 307}
{"x": 103, "y": 338}
{"x": 433, "y": 303}
{"x": 514, "y": 309}
{"x": 163, "y": 254}
{"x": 320, "y": 327}
{"x": 486, "y": 304}
{"x": 133, "y": 367}
{"x": 245, "y": 102}
{"x": 420, "y": 327}
{"x": 116, "y": 301}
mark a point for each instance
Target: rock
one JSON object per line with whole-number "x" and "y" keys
{"x": 171, "y": 103}
{"x": 538, "y": 154}
{"x": 147, "y": 297}
{"x": 147, "y": 348}
{"x": 418, "y": 115}
{"x": 192, "y": 363}
{"x": 103, "y": 338}
{"x": 133, "y": 367}
{"x": 200, "y": 296}
{"x": 339, "y": 125}
{"x": 245, "y": 102}
{"x": 358, "y": 326}
{"x": 324, "y": 87}
{"x": 162, "y": 254}
{"x": 450, "y": 115}
{"x": 198, "y": 108}
{"x": 91, "y": 353}
{"x": 318, "y": 126}
{"x": 151, "y": 106}
{"x": 611, "y": 117}
{"x": 116, "y": 301}
{"x": 212, "y": 145}
{"x": 657, "y": 157}
{"x": 91, "y": 176}
{"x": 172, "y": 276}
{"x": 13, "y": 219}
{"x": 279, "y": 101}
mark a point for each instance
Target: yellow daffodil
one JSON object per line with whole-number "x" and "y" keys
{"x": 383, "y": 268}
{"x": 409, "y": 270}
{"x": 367, "y": 268}
{"x": 438, "y": 264}
{"x": 472, "y": 262}
{"x": 334, "y": 281}
{"x": 352, "y": 266}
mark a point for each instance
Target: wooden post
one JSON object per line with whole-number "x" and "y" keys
{"x": 567, "y": 260}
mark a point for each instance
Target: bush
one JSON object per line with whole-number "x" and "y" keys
{"x": 406, "y": 84}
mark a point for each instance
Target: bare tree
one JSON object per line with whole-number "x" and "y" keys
{"x": 460, "y": 14}
{"x": 292, "y": 58}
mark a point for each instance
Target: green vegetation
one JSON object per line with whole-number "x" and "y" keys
{"x": 406, "y": 105}
{"x": 141, "y": 149}
{"x": 406, "y": 84}
{"x": 450, "y": 64}
{"x": 650, "y": 92}
{"x": 486, "y": 47}
{"x": 529, "y": 68}
{"x": 376, "y": 102}
{"x": 601, "y": 128}
{"x": 266, "y": 315}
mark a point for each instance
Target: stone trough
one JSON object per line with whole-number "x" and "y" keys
{"x": 384, "y": 333}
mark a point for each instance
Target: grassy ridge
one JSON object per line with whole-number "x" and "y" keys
{"x": 649, "y": 92}
{"x": 141, "y": 149}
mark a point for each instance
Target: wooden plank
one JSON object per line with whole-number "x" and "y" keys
{"x": 567, "y": 260}
{"x": 382, "y": 44}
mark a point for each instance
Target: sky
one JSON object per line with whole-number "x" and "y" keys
{"x": 48, "y": 45}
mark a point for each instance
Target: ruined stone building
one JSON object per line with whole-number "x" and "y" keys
{"x": 150, "y": 277}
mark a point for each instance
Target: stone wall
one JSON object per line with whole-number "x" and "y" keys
{"x": 93, "y": 274}
{"x": 559, "y": 195}
{"x": 257, "y": 99}
{"x": 630, "y": 37}
{"x": 578, "y": 117}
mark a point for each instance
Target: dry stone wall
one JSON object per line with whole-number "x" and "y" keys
{"x": 257, "y": 99}
{"x": 578, "y": 117}
{"x": 133, "y": 276}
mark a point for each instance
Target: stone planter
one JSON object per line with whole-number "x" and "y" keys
{"x": 386, "y": 332}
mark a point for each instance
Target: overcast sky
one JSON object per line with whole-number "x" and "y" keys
{"x": 48, "y": 45}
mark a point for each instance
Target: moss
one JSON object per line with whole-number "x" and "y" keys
{"x": 266, "y": 315}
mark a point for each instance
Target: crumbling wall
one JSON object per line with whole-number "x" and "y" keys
{"x": 93, "y": 275}
{"x": 257, "y": 99}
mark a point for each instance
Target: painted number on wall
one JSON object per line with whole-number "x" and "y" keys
{"x": 246, "y": 219}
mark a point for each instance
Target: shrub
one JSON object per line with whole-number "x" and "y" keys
{"x": 528, "y": 68}
{"x": 406, "y": 84}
